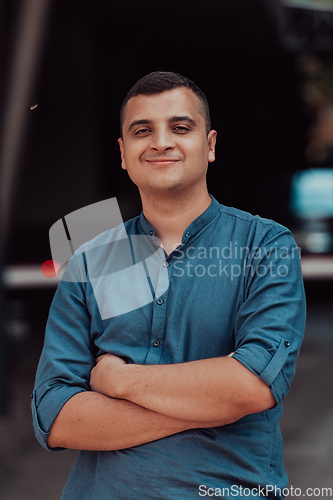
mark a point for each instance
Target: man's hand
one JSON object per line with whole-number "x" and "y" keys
{"x": 107, "y": 374}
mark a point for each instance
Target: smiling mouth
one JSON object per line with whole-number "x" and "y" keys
{"x": 163, "y": 161}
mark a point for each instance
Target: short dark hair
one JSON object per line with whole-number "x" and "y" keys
{"x": 159, "y": 81}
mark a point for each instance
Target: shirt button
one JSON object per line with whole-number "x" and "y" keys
{"x": 151, "y": 233}
{"x": 156, "y": 343}
{"x": 287, "y": 344}
{"x": 159, "y": 301}
{"x": 187, "y": 235}
{"x": 165, "y": 263}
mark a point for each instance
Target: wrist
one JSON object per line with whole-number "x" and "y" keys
{"x": 124, "y": 381}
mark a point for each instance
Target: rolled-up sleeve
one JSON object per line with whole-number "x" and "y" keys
{"x": 270, "y": 322}
{"x": 67, "y": 358}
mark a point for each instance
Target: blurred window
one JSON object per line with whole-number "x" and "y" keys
{"x": 312, "y": 194}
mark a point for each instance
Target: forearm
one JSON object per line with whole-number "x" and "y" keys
{"x": 92, "y": 421}
{"x": 210, "y": 389}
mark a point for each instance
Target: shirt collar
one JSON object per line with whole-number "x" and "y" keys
{"x": 205, "y": 218}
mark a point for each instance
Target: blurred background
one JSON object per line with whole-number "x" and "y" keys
{"x": 266, "y": 67}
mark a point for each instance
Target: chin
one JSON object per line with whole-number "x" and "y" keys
{"x": 166, "y": 187}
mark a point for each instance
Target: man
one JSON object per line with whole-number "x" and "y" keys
{"x": 179, "y": 397}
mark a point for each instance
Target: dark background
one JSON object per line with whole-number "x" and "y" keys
{"x": 245, "y": 55}
{"x": 93, "y": 52}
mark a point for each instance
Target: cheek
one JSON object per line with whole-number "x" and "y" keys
{"x": 197, "y": 145}
{"x": 133, "y": 152}
{"x": 200, "y": 152}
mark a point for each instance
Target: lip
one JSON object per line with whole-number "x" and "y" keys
{"x": 163, "y": 161}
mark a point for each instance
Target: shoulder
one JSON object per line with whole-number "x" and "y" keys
{"x": 92, "y": 257}
{"x": 252, "y": 224}
{"x": 249, "y": 218}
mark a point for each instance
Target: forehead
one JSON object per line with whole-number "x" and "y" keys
{"x": 176, "y": 102}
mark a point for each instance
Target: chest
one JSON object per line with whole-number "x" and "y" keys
{"x": 173, "y": 310}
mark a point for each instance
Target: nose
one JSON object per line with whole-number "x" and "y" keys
{"x": 162, "y": 140}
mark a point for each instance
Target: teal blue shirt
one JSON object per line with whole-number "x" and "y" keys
{"x": 234, "y": 283}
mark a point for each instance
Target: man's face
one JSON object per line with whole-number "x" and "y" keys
{"x": 165, "y": 145}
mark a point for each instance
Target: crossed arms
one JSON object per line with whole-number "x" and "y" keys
{"x": 133, "y": 404}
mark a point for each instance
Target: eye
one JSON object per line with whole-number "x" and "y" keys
{"x": 181, "y": 129}
{"x": 142, "y": 131}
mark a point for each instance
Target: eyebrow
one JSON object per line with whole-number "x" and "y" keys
{"x": 183, "y": 119}
{"x": 173, "y": 119}
{"x": 139, "y": 122}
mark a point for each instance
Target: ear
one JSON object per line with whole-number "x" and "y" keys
{"x": 121, "y": 146}
{"x": 211, "y": 145}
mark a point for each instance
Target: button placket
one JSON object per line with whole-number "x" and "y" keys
{"x": 156, "y": 348}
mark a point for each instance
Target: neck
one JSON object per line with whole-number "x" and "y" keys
{"x": 170, "y": 215}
